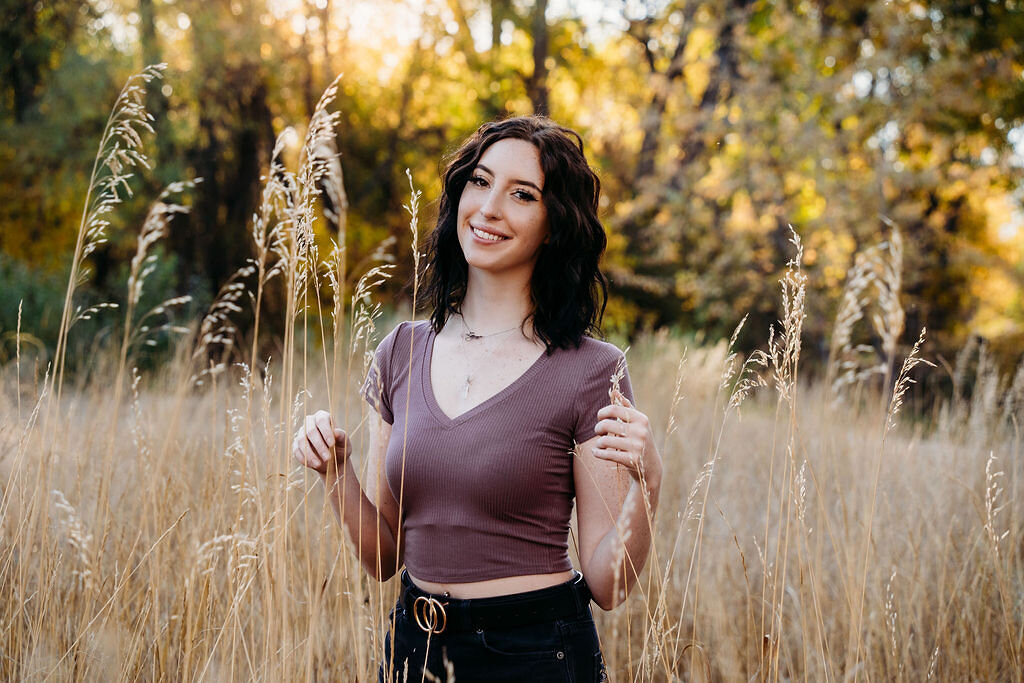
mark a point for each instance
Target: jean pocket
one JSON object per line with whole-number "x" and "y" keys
{"x": 539, "y": 640}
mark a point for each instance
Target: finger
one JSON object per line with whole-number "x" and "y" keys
{"x": 632, "y": 416}
{"x": 326, "y": 429}
{"x": 620, "y": 398}
{"x": 297, "y": 452}
{"x": 304, "y": 453}
{"x": 619, "y": 457}
{"x": 612, "y": 427}
{"x": 315, "y": 439}
{"x": 614, "y": 412}
{"x": 341, "y": 440}
{"x": 618, "y": 443}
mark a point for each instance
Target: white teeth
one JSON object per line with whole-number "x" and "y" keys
{"x": 490, "y": 237}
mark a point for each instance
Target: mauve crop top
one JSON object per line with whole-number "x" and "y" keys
{"x": 488, "y": 494}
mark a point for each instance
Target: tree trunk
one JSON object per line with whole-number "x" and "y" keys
{"x": 538, "y": 85}
{"x": 308, "y": 96}
{"x": 325, "y": 30}
{"x": 156, "y": 102}
{"x": 723, "y": 80}
{"x": 499, "y": 12}
{"x": 385, "y": 173}
{"x": 661, "y": 86}
{"x": 26, "y": 72}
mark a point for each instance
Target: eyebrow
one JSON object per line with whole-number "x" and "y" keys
{"x": 516, "y": 181}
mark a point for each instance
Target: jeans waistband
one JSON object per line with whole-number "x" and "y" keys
{"x": 440, "y": 613}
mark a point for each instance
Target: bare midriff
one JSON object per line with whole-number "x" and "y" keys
{"x": 494, "y": 587}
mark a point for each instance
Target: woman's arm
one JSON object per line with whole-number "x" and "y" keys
{"x": 618, "y": 478}
{"x": 370, "y": 519}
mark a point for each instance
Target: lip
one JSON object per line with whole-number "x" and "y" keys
{"x": 476, "y": 231}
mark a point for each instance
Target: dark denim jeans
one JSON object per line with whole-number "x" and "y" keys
{"x": 558, "y": 651}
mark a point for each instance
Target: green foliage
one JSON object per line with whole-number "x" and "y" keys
{"x": 714, "y": 127}
{"x": 48, "y": 158}
{"x": 33, "y": 37}
{"x": 40, "y": 295}
{"x": 825, "y": 117}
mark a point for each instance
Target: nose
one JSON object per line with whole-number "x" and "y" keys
{"x": 491, "y": 208}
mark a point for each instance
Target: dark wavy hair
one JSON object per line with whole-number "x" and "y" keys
{"x": 568, "y": 289}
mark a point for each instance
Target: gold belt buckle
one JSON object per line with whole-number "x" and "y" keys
{"x": 429, "y": 614}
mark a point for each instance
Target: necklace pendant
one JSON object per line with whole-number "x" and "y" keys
{"x": 469, "y": 335}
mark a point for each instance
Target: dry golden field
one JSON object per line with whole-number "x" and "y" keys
{"x": 171, "y": 536}
{"x": 155, "y": 527}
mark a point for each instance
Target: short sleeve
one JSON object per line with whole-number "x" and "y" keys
{"x": 595, "y": 386}
{"x": 377, "y": 387}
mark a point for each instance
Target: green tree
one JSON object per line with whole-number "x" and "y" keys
{"x": 33, "y": 38}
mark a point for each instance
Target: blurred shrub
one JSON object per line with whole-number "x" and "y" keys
{"x": 41, "y": 298}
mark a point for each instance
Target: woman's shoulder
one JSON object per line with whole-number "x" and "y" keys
{"x": 592, "y": 356}
{"x": 395, "y": 345}
{"x": 591, "y": 370}
{"x": 599, "y": 350}
{"x": 405, "y": 330}
{"x": 406, "y": 325}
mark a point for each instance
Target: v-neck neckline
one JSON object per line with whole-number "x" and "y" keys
{"x": 431, "y": 399}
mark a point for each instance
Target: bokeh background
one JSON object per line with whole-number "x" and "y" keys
{"x": 714, "y": 127}
{"x": 840, "y": 175}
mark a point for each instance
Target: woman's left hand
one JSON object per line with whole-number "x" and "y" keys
{"x": 624, "y": 437}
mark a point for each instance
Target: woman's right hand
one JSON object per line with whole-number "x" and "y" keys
{"x": 318, "y": 444}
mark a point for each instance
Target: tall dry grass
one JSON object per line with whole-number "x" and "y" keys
{"x": 155, "y": 528}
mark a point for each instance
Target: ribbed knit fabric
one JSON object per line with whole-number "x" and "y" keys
{"x": 488, "y": 494}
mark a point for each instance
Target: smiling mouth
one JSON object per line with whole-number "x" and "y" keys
{"x": 488, "y": 236}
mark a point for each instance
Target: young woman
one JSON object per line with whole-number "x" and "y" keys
{"x": 490, "y": 419}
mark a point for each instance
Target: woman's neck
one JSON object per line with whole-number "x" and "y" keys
{"x": 494, "y": 304}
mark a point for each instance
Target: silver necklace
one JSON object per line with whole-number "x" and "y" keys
{"x": 469, "y": 335}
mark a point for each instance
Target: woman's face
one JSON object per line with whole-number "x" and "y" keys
{"x": 502, "y": 220}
